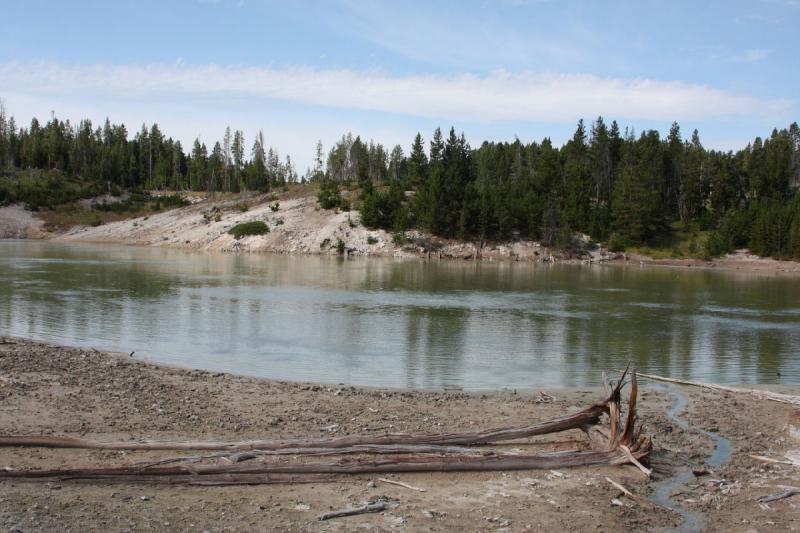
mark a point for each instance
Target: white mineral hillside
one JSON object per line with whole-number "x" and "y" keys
{"x": 298, "y": 225}
{"x": 17, "y": 223}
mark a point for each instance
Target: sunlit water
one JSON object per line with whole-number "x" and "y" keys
{"x": 403, "y": 323}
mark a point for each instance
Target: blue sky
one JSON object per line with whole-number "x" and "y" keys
{"x": 303, "y": 70}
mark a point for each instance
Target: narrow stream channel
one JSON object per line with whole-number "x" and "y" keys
{"x": 692, "y": 521}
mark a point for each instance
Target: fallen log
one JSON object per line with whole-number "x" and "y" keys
{"x": 238, "y": 457}
{"x": 476, "y": 463}
{"x": 587, "y": 416}
{"x": 759, "y": 394}
{"x": 624, "y": 445}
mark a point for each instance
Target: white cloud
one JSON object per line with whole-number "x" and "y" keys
{"x": 751, "y": 56}
{"x": 499, "y": 96}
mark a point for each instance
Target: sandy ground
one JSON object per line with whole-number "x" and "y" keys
{"x": 55, "y": 390}
{"x": 740, "y": 260}
{"x": 17, "y": 223}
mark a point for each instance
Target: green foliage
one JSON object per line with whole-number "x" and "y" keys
{"x": 255, "y": 227}
{"x": 44, "y": 189}
{"x": 172, "y": 201}
{"x": 616, "y": 243}
{"x": 329, "y": 196}
{"x": 399, "y": 238}
{"x": 371, "y": 240}
{"x": 384, "y": 208}
{"x": 124, "y": 206}
{"x": 602, "y": 182}
{"x": 769, "y": 227}
{"x": 340, "y": 247}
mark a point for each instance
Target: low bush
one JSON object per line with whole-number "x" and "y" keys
{"x": 244, "y": 229}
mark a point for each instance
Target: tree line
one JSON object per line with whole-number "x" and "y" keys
{"x": 149, "y": 159}
{"x": 616, "y": 186}
{"x": 613, "y": 185}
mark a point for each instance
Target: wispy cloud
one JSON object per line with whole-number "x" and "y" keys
{"x": 453, "y": 35}
{"x": 499, "y": 96}
{"x": 751, "y": 56}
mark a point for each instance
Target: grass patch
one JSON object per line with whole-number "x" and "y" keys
{"x": 684, "y": 242}
{"x": 244, "y": 229}
{"x": 67, "y": 216}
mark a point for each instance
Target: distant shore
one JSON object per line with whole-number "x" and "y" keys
{"x": 297, "y": 225}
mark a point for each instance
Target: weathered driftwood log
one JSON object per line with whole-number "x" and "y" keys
{"x": 759, "y": 394}
{"x": 623, "y": 446}
{"x": 238, "y": 457}
{"x": 411, "y": 463}
{"x": 590, "y": 415}
{"x": 562, "y": 423}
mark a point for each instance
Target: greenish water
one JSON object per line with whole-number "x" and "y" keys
{"x": 399, "y": 323}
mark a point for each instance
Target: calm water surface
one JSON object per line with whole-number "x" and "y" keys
{"x": 403, "y": 323}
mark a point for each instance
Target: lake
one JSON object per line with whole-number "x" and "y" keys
{"x": 403, "y": 323}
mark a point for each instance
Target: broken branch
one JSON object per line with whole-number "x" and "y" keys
{"x": 370, "y": 508}
{"x": 400, "y": 484}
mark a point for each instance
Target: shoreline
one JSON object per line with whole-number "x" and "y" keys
{"x": 785, "y": 388}
{"x": 300, "y": 227}
{"x": 49, "y": 389}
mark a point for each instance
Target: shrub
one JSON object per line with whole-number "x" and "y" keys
{"x": 255, "y": 227}
{"x": 399, "y": 238}
{"x": 340, "y": 246}
{"x": 171, "y": 201}
{"x": 274, "y": 207}
{"x": 328, "y": 196}
{"x": 616, "y": 243}
{"x": 372, "y": 240}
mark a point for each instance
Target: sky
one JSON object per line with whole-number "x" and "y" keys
{"x": 496, "y": 70}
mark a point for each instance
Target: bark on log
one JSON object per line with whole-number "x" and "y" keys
{"x": 590, "y": 415}
{"x": 238, "y": 457}
{"x": 412, "y": 463}
{"x": 627, "y": 445}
